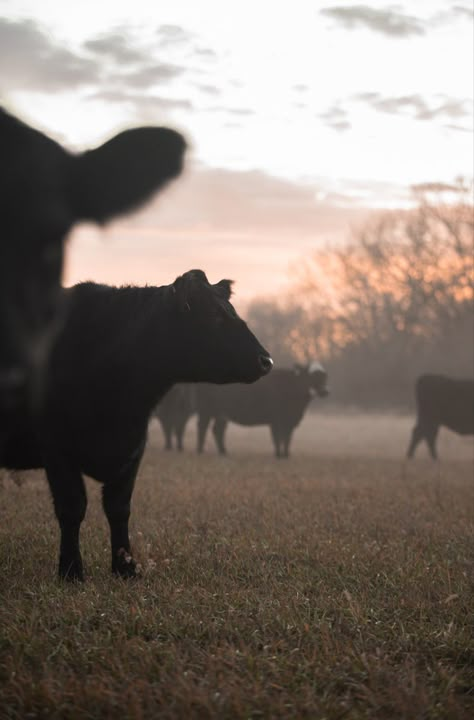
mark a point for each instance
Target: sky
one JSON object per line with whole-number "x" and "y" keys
{"x": 302, "y": 116}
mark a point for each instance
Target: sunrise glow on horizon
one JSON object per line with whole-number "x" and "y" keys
{"x": 301, "y": 116}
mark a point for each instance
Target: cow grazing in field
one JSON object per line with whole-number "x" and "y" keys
{"x": 174, "y": 411}
{"x": 44, "y": 190}
{"x": 119, "y": 353}
{"x": 441, "y": 400}
{"x": 279, "y": 401}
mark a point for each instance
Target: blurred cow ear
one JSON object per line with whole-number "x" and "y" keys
{"x": 298, "y": 369}
{"x": 225, "y": 288}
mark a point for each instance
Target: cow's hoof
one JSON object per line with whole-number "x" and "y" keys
{"x": 124, "y": 565}
{"x": 71, "y": 570}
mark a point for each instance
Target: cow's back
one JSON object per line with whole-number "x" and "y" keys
{"x": 275, "y": 398}
{"x": 442, "y": 400}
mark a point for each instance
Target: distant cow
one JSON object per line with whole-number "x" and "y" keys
{"x": 280, "y": 401}
{"x": 44, "y": 190}
{"x": 174, "y": 411}
{"x": 118, "y": 354}
{"x": 441, "y": 400}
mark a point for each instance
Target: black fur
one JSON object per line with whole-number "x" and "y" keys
{"x": 44, "y": 190}
{"x": 441, "y": 400}
{"x": 121, "y": 350}
{"x": 279, "y": 401}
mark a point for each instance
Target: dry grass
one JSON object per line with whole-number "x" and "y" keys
{"x": 327, "y": 431}
{"x": 325, "y": 586}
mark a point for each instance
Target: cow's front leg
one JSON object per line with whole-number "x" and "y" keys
{"x": 116, "y": 499}
{"x": 203, "y": 424}
{"x": 70, "y": 502}
{"x": 286, "y": 443}
{"x": 275, "y": 433}
{"x": 416, "y": 437}
{"x": 219, "y": 428}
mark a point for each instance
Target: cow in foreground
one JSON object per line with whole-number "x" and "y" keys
{"x": 280, "y": 401}
{"x": 118, "y": 354}
{"x": 441, "y": 400}
{"x": 173, "y": 413}
{"x": 44, "y": 190}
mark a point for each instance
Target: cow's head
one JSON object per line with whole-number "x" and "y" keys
{"x": 216, "y": 344}
{"x": 44, "y": 190}
{"x": 315, "y": 377}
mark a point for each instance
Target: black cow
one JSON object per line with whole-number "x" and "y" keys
{"x": 441, "y": 400}
{"x": 174, "y": 411}
{"x": 279, "y": 401}
{"x": 118, "y": 354}
{"x": 44, "y": 190}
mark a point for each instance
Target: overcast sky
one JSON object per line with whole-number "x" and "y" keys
{"x": 301, "y": 115}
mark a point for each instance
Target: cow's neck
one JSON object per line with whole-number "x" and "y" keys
{"x": 154, "y": 367}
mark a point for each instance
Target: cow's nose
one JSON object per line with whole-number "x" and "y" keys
{"x": 266, "y": 363}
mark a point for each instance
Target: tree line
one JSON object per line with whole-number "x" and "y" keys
{"x": 393, "y": 301}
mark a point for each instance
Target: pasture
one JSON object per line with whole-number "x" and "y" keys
{"x": 336, "y": 584}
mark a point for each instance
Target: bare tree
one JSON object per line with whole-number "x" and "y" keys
{"x": 395, "y": 300}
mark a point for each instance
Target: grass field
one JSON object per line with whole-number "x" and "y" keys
{"x": 337, "y": 584}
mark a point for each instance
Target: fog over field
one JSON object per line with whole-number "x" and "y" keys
{"x": 329, "y": 431}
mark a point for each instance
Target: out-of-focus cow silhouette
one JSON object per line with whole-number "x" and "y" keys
{"x": 279, "y": 400}
{"x": 441, "y": 400}
{"x": 174, "y": 411}
{"x": 44, "y": 190}
{"x": 119, "y": 353}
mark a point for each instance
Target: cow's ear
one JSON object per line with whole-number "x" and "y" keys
{"x": 124, "y": 172}
{"x": 225, "y": 288}
{"x": 181, "y": 291}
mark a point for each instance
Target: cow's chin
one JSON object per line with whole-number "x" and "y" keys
{"x": 238, "y": 377}
{"x": 254, "y": 377}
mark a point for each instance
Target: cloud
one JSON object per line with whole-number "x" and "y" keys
{"x": 138, "y": 68}
{"x": 416, "y": 106}
{"x": 435, "y": 187}
{"x": 389, "y": 22}
{"x": 205, "y": 53}
{"x": 242, "y": 112}
{"x": 336, "y": 118}
{"x": 249, "y": 226}
{"x": 30, "y": 60}
{"x": 450, "y": 108}
{"x": 208, "y": 89}
{"x": 248, "y": 202}
{"x": 146, "y": 77}
{"x": 464, "y": 11}
{"x": 141, "y": 104}
{"x": 118, "y": 47}
{"x": 458, "y": 128}
{"x": 172, "y": 35}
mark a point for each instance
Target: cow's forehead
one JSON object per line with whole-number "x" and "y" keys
{"x": 314, "y": 366}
